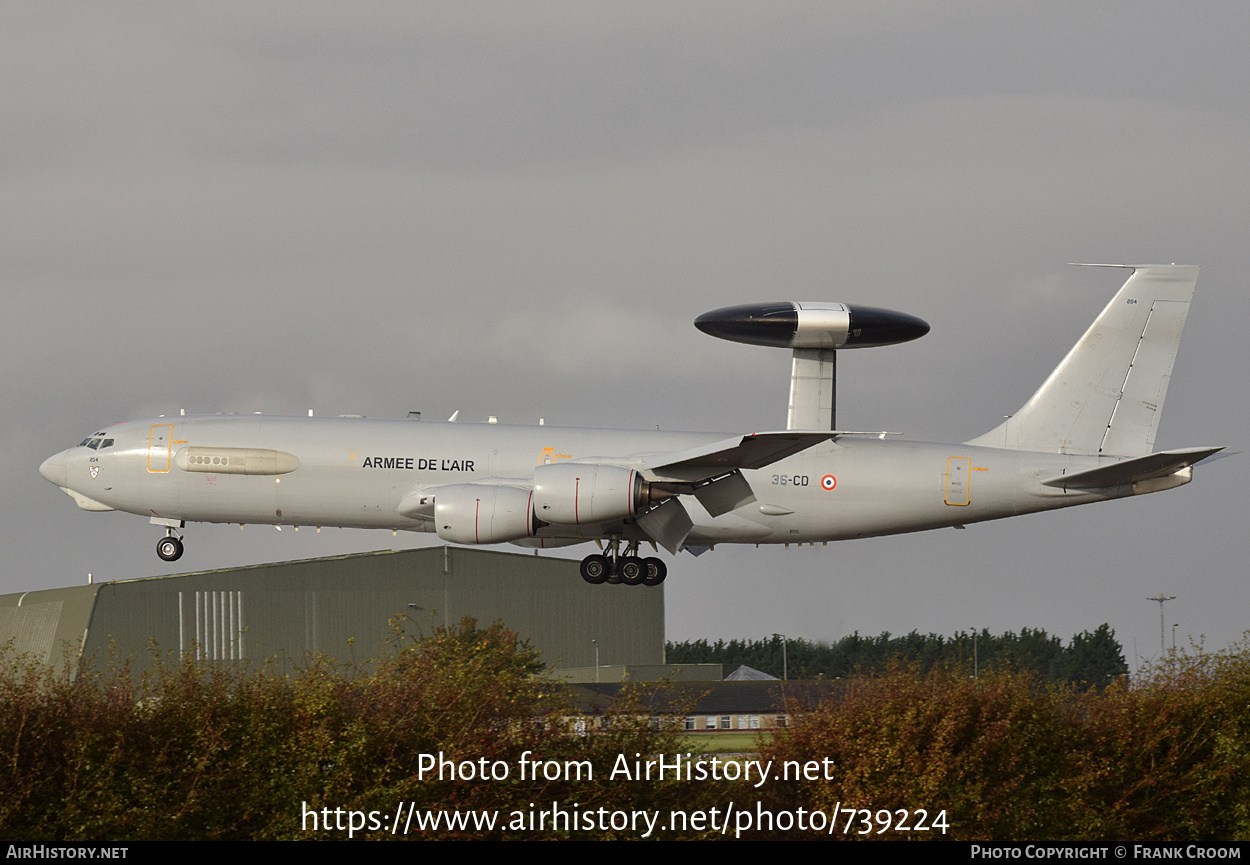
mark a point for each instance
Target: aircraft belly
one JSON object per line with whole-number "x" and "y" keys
{"x": 227, "y": 498}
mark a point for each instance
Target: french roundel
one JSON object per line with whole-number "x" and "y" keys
{"x": 828, "y": 482}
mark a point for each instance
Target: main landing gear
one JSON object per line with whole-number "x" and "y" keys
{"x": 169, "y": 547}
{"x": 630, "y": 568}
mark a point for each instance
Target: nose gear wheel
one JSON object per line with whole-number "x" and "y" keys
{"x": 169, "y": 548}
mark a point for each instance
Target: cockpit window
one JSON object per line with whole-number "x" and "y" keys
{"x": 96, "y": 441}
{"x": 93, "y": 441}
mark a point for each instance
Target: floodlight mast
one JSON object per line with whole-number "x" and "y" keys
{"x": 1162, "y": 599}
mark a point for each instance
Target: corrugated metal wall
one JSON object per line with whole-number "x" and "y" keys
{"x": 346, "y": 607}
{"x": 47, "y": 625}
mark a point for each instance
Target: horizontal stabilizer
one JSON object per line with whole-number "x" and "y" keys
{"x": 752, "y": 451}
{"x": 1133, "y": 471}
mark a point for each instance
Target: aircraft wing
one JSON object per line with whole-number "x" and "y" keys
{"x": 711, "y": 473}
{"x": 753, "y": 451}
{"x": 1132, "y": 471}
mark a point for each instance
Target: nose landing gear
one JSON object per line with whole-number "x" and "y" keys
{"x": 629, "y": 568}
{"x": 169, "y": 547}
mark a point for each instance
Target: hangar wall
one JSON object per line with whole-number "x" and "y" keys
{"x": 346, "y": 607}
{"x": 48, "y": 625}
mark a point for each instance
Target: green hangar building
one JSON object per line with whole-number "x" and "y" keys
{"x": 343, "y": 607}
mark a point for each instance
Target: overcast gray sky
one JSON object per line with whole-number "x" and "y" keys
{"x": 517, "y": 209}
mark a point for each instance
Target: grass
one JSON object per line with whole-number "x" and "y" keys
{"x": 743, "y": 742}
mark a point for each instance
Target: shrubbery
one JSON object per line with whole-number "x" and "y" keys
{"x": 194, "y": 751}
{"x": 202, "y": 751}
{"x": 1167, "y": 759}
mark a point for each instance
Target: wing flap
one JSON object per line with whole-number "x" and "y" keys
{"x": 667, "y": 525}
{"x": 725, "y": 494}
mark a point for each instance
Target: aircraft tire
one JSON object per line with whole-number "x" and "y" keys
{"x": 169, "y": 549}
{"x": 656, "y": 571}
{"x": 632, "y": 570}
{"x": 595, "y": 569}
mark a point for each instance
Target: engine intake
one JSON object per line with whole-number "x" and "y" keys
{"x": 579, "y": 494}
{"x": 484, "y": 514}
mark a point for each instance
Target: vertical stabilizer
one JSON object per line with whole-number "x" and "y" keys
{"x": 1106, "y": 396}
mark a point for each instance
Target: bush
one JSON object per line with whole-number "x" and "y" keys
{"x": 1167, "y": 759}
{"x": 196, "y": 751}
{"x": 988, "y": 752}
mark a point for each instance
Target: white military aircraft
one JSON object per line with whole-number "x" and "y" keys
{"x": 1086, "y": 436}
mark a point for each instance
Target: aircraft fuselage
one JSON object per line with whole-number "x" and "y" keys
{"x": 1086, "y": 435}
{"x": 355, "y": 472}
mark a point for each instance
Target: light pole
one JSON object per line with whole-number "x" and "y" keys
{"x": 975, "y": 657}
{"x": 785, "y": 661}
{"x": 1162, "y": 599}
{"x": 596, "y": 645}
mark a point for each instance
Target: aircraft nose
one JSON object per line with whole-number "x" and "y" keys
{"x": 53, "y": 469}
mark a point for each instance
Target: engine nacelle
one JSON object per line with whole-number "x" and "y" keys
{"x": 579, "y": 494}
{"x": 483, "y": 514}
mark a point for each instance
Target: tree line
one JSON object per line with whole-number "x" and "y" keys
{"x": 1091, "y": 659}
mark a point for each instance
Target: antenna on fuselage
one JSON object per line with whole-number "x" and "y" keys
{"x": 815, "y": 332}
